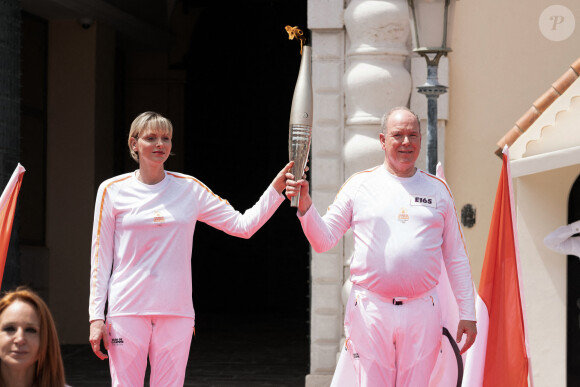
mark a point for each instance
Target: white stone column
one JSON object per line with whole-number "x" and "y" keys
{"x": 327, "y": 175}
{"x": 376, "y": 80}
{"x": 348, "y": 106}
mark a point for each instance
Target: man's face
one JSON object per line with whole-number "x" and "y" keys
{"x": 401, "y": 143}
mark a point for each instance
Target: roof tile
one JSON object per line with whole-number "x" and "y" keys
{"x": 565, "y": 81}
{"x": 528, "y": 119}
{"x": 509, "y": 138}
{"x": 576, "y": 66}
{"x": 546, "y": 99}
{"x": 539, "y": 106}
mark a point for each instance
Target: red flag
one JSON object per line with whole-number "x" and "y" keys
{"x": 501, "y": 349}
{"x": 7, "y": 208}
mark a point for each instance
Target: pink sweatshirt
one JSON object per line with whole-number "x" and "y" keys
{"x": 402, "y": 228}
{"x": 142, "y": 240}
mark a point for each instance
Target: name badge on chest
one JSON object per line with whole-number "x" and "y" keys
{"x": 425, "y": 201}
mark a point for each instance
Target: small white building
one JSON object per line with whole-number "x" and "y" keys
{"x": 545, "y": 165}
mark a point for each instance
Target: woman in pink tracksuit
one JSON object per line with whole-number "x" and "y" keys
{"x": 141, "y": 257}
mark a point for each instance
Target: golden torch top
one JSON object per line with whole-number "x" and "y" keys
{"x": 296, "y": 33}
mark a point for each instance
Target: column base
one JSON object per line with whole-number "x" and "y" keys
{"x": 318, "y": 380}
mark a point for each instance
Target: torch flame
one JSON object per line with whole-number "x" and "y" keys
{"x": 295, "y": 32}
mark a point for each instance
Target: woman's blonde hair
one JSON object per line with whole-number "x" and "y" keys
{"x": 49, "y": 367}
{"x": 145, "y": 122}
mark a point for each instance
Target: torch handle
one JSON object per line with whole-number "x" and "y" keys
{"x": 298, "y": 149}
{"x": 295, "y": 200}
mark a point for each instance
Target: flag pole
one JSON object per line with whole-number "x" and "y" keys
{"x": 7, "y": 208}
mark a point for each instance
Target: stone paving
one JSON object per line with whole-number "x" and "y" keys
{"x": 254, "y": 351}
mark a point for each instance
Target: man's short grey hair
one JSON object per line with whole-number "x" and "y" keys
{"x": 388, "y": 115}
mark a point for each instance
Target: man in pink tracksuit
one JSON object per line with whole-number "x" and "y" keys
{"x": 404, "y": 222}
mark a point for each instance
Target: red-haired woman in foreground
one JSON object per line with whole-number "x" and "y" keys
{"x": 29, "y": 347}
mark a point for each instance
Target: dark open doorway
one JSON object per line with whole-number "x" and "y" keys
{"x": 241, "y": 72}
{"x": 573, "y": 303}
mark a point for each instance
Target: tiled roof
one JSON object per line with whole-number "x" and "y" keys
{"x": 539, "y": 106}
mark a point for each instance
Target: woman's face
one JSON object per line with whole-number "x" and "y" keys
{"x": 153, "y": 147}
{"x": 19, "y": 336}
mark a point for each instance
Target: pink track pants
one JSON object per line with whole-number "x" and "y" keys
{"x": 389, "y": 345}
{"x": 165, "y": 339}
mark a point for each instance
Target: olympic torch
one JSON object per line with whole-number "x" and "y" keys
{"x": 300, "y": 132}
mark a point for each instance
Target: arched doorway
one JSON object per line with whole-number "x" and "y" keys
{"x": 573, "y": 299}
